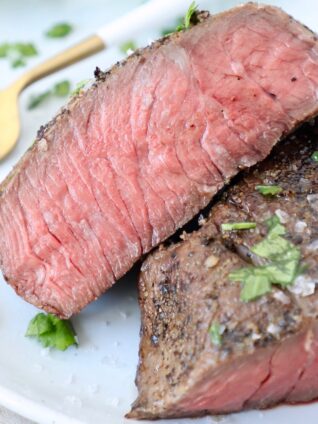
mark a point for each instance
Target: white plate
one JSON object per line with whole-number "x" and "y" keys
{"x": 94, "y": 383}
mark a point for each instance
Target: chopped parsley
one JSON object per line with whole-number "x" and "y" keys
{"x": 314, "y": 156}
{"x": 188, "y": 16}
{"x": 182, "y": 22}
{"x": 59, "y": 30}
{"x": 168, "y": 31}
{"x": 269, "y": 190}
{"x": 282, "y": 267}
{"x": 16, "y": 53}
{"x": 238, "y": 226}
{"x": 52, "y": 331}
{"x": 128, "y": 47}
{"x": 215, "y": 334}
{"x": 60, "y": 89}
{"x": 18, "y": 63}
{"x": 80, "y": 86}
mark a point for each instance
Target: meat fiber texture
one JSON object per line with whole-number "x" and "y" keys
{"x": 140, "y": 153}
{"x": 268, "y": 351}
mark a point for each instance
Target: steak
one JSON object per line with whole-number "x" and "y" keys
{"x": 268, "y": 352}
{"x": 135, "y": 157}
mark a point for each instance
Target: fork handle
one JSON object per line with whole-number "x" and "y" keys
{"x": 85, "y": 48}
{"x": 147, "y": 16}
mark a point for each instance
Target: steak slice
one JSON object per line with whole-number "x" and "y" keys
{"x": 269, "y": 347}
{"x": 140, "y": 153}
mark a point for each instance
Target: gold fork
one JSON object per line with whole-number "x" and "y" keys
{"x": 145, "y": 17}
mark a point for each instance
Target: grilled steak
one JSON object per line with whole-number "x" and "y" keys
{"x": 268, "y": 351}
{"x": 140, "y": 153}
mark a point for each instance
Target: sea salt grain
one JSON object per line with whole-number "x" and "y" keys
{"x": 303, "y": 286}
{"x": 281, "y": 297}
{"x": 70, "y": 379}
{"x": 273, "y": 329}
{"x": 74, "y": 400}
{"x": 283, "y": 216}
{"x": 112, "y": 401}
{"x": 93, "y": 389}
{"x": 313, "y": 201}
{"x": 300, "y": 226}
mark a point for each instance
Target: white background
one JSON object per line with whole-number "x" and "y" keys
{"x": 94, "y": 383}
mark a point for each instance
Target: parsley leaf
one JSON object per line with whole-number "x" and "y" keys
{"x": 79, "y": 87}
{"x": 35, "y": 101}
{"x": 18, "y": 63}
{"x": 282, "y": 268}
{"x": 52, "y": 331}
{"x": 25, "y": 49}
{"x": 314, "y": 156}
{"x": 4, "y": 48}
{"x": 238, "y": 226}
{"x": 59, "y": 30}
{"x": 168, "y": 31}
{"x": 17, "y": 52}
{"x": 128, "y": 46}
{"x": 60, "y": 89}
{"x": 188, "y": 16}
{"x": 215, "y": 334}
{"x": 269, "y": 190}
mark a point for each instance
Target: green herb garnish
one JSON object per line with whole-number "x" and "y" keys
{"x": 314, "y": 156}
{"x": 215, "y": 334}
{"x": 188, "y": 16}
{"x": 16, "y": 53}
{"x": 80, "y": 86}
{"x": 282, "y": 267}
{"x": 127, "y": 46}
{"x": 59, "y": 30}
{"x": 18, "y": 63}
{"x": 230, "y": 226}
{"x": 269, "y": 190}
{"x": 60, "y": 89}
{"x": 52, "y": 331}
{"x": 168, "y": 31}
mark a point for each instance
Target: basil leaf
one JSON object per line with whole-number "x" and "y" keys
{"x": 52, "y": 331}
{"x": 59, "y": 30}
{"x": 215, "y": 334}
{"x": 269, "y": 190}
{"x": 314, "y": 156}
{"x": 238, "y": 226}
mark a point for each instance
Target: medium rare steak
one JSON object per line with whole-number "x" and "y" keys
{"x": 266, "y": 350}
{"x": 140, "y": 153}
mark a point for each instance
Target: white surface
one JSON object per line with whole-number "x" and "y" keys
{"x": 94, "y": 383}
{"x": 144, "y": 18}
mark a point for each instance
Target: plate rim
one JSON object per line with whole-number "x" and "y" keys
{"x": 32, "y": 410}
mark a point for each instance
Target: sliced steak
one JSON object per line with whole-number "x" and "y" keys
{"x": 139, "y": 154}
{"x": 268, "y": 352}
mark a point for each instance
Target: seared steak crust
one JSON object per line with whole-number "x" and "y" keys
{"x": 135, "y": 157}
{"x": 269, "y": 347}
